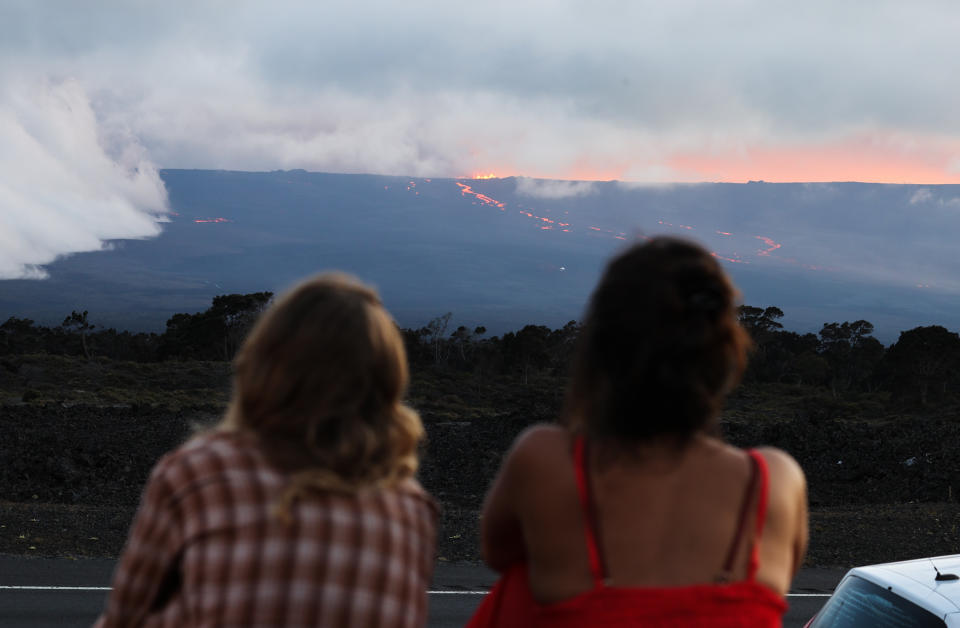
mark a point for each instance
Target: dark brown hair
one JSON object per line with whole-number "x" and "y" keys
{"x": 660, "y": 347}
{"x": 320, "y": 381}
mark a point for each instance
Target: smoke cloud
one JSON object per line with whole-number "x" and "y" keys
{"x": 541, "y": 188}
{"x": 69, "y": 183}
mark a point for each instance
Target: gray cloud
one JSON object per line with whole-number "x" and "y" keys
{"x": 686, "y": 73}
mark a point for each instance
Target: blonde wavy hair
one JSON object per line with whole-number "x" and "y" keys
{"x": 319, "y": 384}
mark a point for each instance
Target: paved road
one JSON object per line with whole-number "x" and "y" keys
{"x": 72, "y": 592}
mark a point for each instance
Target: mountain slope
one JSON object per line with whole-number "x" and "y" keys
{"x": 506, "y": 252}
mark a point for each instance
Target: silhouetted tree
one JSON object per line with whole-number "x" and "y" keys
{"x": 851, "y": 353}
{"x": 922, "y": 366}
{"x": 529, "y": 349}
{"x": 77, "y": 322}
{"x": 762, "y": 324}
{"x": 19, "y": 336}
{"x": 216, "y": 333}
{"x": 758, "y": 320}
{"x": 436, "y": 331}
{"x": 237, "y": 313}
{"x": 790, "y": 357}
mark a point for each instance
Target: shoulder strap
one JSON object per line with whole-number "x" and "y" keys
{"x": 741, "y": 528}
{"x": 582, "y": 471}
{"x": 763, "y": 474}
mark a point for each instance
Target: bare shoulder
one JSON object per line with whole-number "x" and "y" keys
{"x": 539, "y": 444}
{"x": 787, "y": 517}
{"x": 785, "y": 471}
{"x": 542, "y": 435}
{"x": 781, "y": 461}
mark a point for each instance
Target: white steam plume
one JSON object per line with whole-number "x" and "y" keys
{"x": 65, "y": 187}
{"x": 545, "y": 188}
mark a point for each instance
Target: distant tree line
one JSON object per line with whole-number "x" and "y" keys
{"x": 214, "y": 334}
{"x": 922, "y": 367}
{"x": 533, "y": 350}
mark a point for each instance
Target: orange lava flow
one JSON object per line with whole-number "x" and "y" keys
{"x": 728, "y": 259}
{"x": 773, "y": 245}
{"x": 483, "y": 198}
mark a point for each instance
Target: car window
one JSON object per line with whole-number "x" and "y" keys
{"x": 858, "y": 602}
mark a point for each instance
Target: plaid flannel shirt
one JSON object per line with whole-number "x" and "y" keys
{"x": 205, "y": 549}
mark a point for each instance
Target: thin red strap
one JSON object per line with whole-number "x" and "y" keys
{"x": 764, "y": 477}
{"x": 741, "y": 522}
{"x": 586, "y": 504}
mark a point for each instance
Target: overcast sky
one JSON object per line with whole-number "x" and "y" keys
{"x": 95, "y": 96}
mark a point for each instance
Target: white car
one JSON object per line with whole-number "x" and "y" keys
{"x": 921, "y": 593}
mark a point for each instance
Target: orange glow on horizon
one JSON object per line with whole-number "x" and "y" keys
{"x": 873, "y": 156}
{"x": 580, "y": 170}
{"x": 863, "y": 159}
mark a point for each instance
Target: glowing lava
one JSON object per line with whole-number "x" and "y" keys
{"x": 489, "y": 175}
{"x": 483, "y": 198}
{"x": 728, "y": 259}
{"x": 669, "y": 224}
{"x": 773, "y": 245}
{"x": 548, "y": 224}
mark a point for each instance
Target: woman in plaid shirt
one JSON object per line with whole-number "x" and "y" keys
{"x": 300, "y": 508}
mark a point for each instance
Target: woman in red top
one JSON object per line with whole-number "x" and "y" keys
{"x": 635, "y": 512}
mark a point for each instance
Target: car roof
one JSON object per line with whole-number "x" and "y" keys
{"x": 916, "y": 581}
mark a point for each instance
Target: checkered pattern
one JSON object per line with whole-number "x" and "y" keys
{"x": 206, "y": 549}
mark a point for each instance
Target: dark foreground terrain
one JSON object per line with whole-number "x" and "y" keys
{"x": 71, "y": 470}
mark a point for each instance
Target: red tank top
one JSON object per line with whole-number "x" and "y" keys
{"x": 743, "y": 603}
